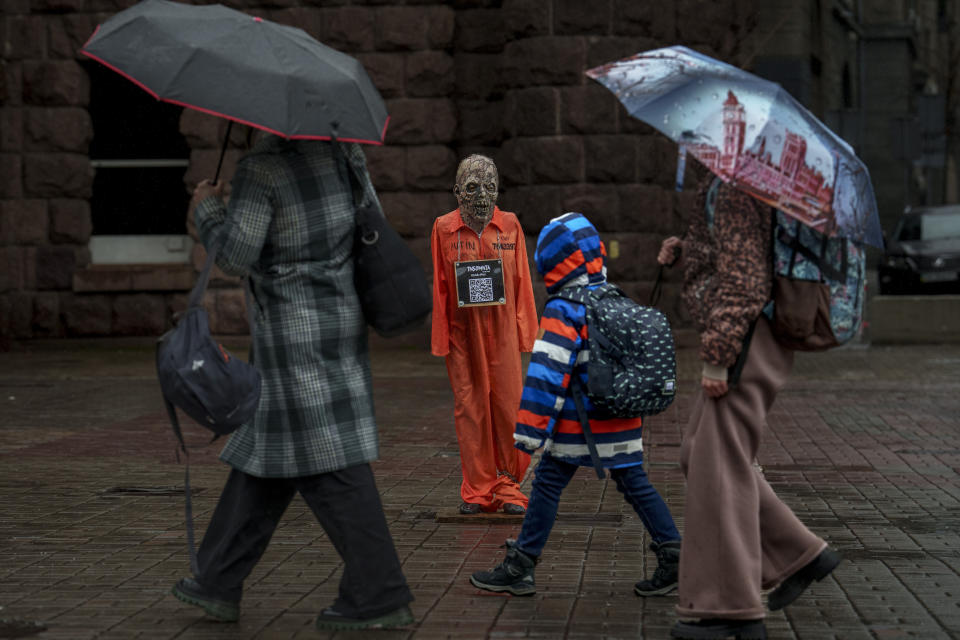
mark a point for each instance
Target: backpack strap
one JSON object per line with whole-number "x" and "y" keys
{"x": 585, "y": 423}
{"x": 583, "y": 295}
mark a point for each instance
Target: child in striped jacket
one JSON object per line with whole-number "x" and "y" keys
{"x": 570, "y": 253}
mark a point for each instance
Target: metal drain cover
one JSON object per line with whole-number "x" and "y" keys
{"x": 116, "y": 492}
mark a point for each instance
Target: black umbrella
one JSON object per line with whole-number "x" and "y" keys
{"x": 246, "y": 69}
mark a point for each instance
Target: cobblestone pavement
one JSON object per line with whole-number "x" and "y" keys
{"x": 865, "y": 448}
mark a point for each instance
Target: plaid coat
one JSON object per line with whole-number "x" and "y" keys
{"x": 289, "y": 226}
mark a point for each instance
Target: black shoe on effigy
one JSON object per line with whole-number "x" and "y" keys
{"x": 512, "y": 509}
{"x": 192, "y": 592}
{"x": 514, "y": 575}
{"x": 664, "y": 579}
{"x": 791, "y": 588}
{"x": 330, "y": 620}
{"x": 720, "y": 629}
{"x": 469, "y": 508}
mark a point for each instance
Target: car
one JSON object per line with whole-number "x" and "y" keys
{"x": 923, "y": 254}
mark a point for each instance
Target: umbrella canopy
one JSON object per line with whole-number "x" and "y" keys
{"x": 752, "y": 133}
{"x": 246, "y": 69}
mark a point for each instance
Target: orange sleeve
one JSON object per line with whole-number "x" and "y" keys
{"x": 440, "y": 326}
{"x": 527, "y": 325}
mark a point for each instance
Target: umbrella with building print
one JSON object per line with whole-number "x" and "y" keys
{"x": 752, "y": 133}
{"x": 242, "y": 68}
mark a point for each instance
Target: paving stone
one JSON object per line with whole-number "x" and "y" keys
{"x": 864, "y": 445}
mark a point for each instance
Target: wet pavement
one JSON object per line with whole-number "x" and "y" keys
{"x": 865, "y": 448}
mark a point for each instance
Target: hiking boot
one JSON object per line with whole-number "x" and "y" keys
{"x": 664, "y": 579}
{"x": 330, "y": 620}
{"x": 791, "y": 588}
{"x": 514, "y": 575}
{"x": 512, "y": 509}
{"x": 469, "y": 508}
{"x": 192, "y": 592}
{"x": 720, "y": 629}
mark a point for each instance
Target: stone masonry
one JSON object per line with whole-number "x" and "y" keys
{"x": 501, "y": 77}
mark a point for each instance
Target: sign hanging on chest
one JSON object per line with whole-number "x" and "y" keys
{"x": 479, "y": 283}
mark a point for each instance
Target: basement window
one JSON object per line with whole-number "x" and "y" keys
{"x": 139, "y": 202}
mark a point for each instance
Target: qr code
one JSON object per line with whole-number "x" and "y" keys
{"x": 481, "y": 290}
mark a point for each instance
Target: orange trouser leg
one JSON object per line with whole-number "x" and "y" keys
{"x": 471, "y": 415}
{"x": 506, "y": 387}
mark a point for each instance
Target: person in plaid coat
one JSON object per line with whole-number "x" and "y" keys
{"x": 289, "y": 228}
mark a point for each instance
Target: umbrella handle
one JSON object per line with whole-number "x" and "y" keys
{"x": 223, "y": 150}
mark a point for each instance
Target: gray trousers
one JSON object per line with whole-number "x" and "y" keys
{"x": 346, "y": 503}
{"x": 738, "y": 536}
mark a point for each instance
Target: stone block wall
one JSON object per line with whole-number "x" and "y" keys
{"x": 45, "y": 174}
{"x": 501, "y": 77}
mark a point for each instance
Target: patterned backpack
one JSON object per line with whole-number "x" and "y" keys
{"x": 632, "y": 370}
{"x": 818, "y": 287}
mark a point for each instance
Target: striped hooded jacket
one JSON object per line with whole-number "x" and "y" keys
{"x": 569, "y": 253}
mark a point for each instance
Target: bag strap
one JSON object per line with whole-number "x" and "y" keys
{"x": 196, "y": 295}
{"x": 585, "y": 423}
{"x": 353, "y": 178}
{"x": 820, "y": 259}
{"x": 200, "y": 288}
{"x": 188, "y": 503}
{"x": 733, "y": 373}
{"x": 196, "y": 300}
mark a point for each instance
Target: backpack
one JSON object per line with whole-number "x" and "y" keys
{"x": 818, "y": 286}
{"x": 201, "y": 378}
{"x": 632, "y": 368}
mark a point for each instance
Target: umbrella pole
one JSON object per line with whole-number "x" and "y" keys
{"x": 223, "y": 150}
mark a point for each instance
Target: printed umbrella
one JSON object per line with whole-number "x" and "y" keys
{"x": 246, "y": 69}
{"x": 752, "y": 133}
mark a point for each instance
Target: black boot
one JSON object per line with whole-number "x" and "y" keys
{"x": 791, "y": 588}
{"x": 664, "y": 579}
{"x": 720, "y": 629}
{"x": 514, "y": 575}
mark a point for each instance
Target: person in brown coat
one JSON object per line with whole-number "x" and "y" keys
{"x": 739, "y": 537}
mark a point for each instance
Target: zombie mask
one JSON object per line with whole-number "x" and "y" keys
{"x": 476, "y": 190}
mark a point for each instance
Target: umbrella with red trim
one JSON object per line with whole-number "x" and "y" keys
{"x": 242, "y": 68}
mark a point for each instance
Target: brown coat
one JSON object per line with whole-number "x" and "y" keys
{"x": 727, "y": 274}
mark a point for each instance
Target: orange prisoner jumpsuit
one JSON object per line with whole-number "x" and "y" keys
{"x": 482, "y": 346}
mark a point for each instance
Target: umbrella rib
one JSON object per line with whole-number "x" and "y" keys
{"x": 173, "y": 76}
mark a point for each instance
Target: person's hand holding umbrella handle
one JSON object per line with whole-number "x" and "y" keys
{"x": 203, "y": 190}
{"x": 670, "y": 250}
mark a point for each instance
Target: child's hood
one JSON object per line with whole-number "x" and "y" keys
{"x": 569, "y": 252}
